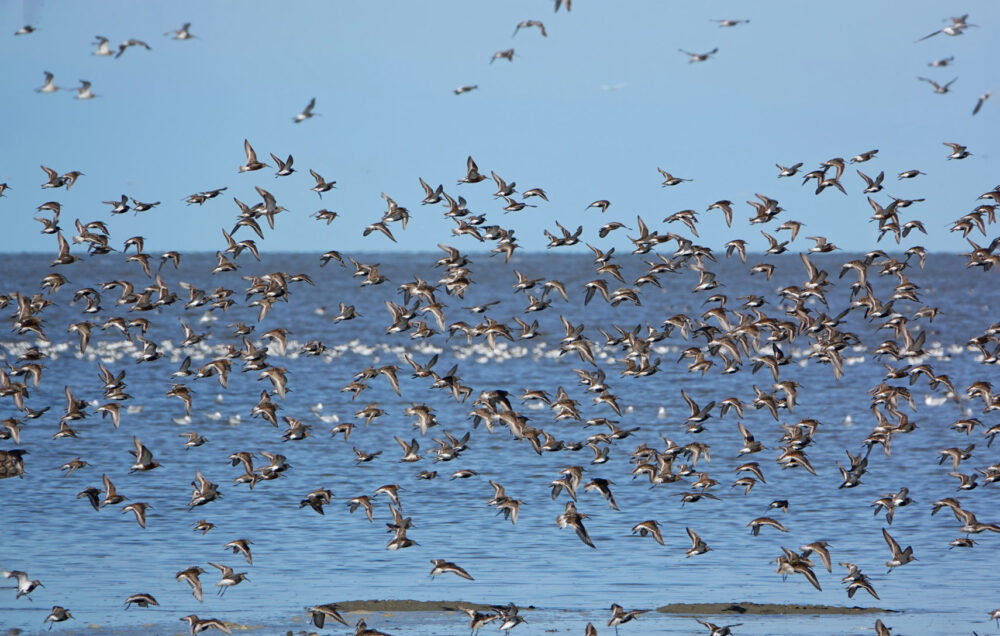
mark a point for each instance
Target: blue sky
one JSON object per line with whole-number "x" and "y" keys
{"x": 792, "y": 85}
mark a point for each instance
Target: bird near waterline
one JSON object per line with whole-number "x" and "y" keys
{"x": 320, "y": 613}
{"x": 198, "y": 625}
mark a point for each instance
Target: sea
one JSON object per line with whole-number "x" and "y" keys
{"x": 90, "y": 561}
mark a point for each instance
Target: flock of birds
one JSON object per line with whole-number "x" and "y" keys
{"x": 748, "y": 335}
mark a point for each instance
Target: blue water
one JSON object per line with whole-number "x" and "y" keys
{"x": 89, "y": 562}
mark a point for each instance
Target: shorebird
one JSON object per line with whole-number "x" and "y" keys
{"x": 899, "y": 556}
{"x": 83, "y": 91}
{"x": 873, "y": 185}
{"x": 718, "y": 630}
{"x": 139, "y": 508}
{"x": 49, "y": 86}
{"x": 506, "y": 54}
{"x": 111, "y": 496}
{"x": 252, "y": 163}
{"x": 472, "y": 174}
{"x": 957, "y": 27}
{"x": 229, "y": 577}
{"x": 760, "y": 522}
{"x": 130, "y": 43}
{"x": 573, "y": 519}
{"x": 477, "y": 620}
{"x": 524, "y": 24}
{"x": 820, "y": 548}
{"x": 938, "y": 88}
{"x": 619, "y": 616}
{"x": 58, "y": 181}
{"x": 190, "y": 576}
{"x": 317, "y": 499}
{"x": 958, "y": 151}
{"x": 979, "y": 102}
{"x": 198, "y": 625}
{"x": 25, "y": 585}
{"x": 241, "y": 546}
{"x": 319, "y": 614}
{"x": 72, "y": 466}
{"x": 444, "y": 567}
{"x": 57, "y": 615}
{"x": 465, "y": 89}
{"x": 103, "y": 47}
{"x": 306, "y": 113}
{"x": 651, "y": 528}
{"x": 142, "y": 600}
{"x": 284, "y": 167}
{"x": 361, "y": 502}
{"x": 25, "y": 30}
{"x": 699, "y": 57}
{"x": 321, "y": 184}
{"x": 183, "y": 33}
{"x": 788, "y": 171}
{"x": 698, "y": 545}
{"x": 143, "y": 457}
{"x": 671, "y": 180}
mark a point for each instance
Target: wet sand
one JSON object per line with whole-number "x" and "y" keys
{"x": 406, "y": 605}
{"x": 692, "y": 609}
{"x": 715, "y": 609}
{"x": 438, "y": 618}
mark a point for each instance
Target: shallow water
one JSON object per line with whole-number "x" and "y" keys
{"x": 91, "y": 561}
